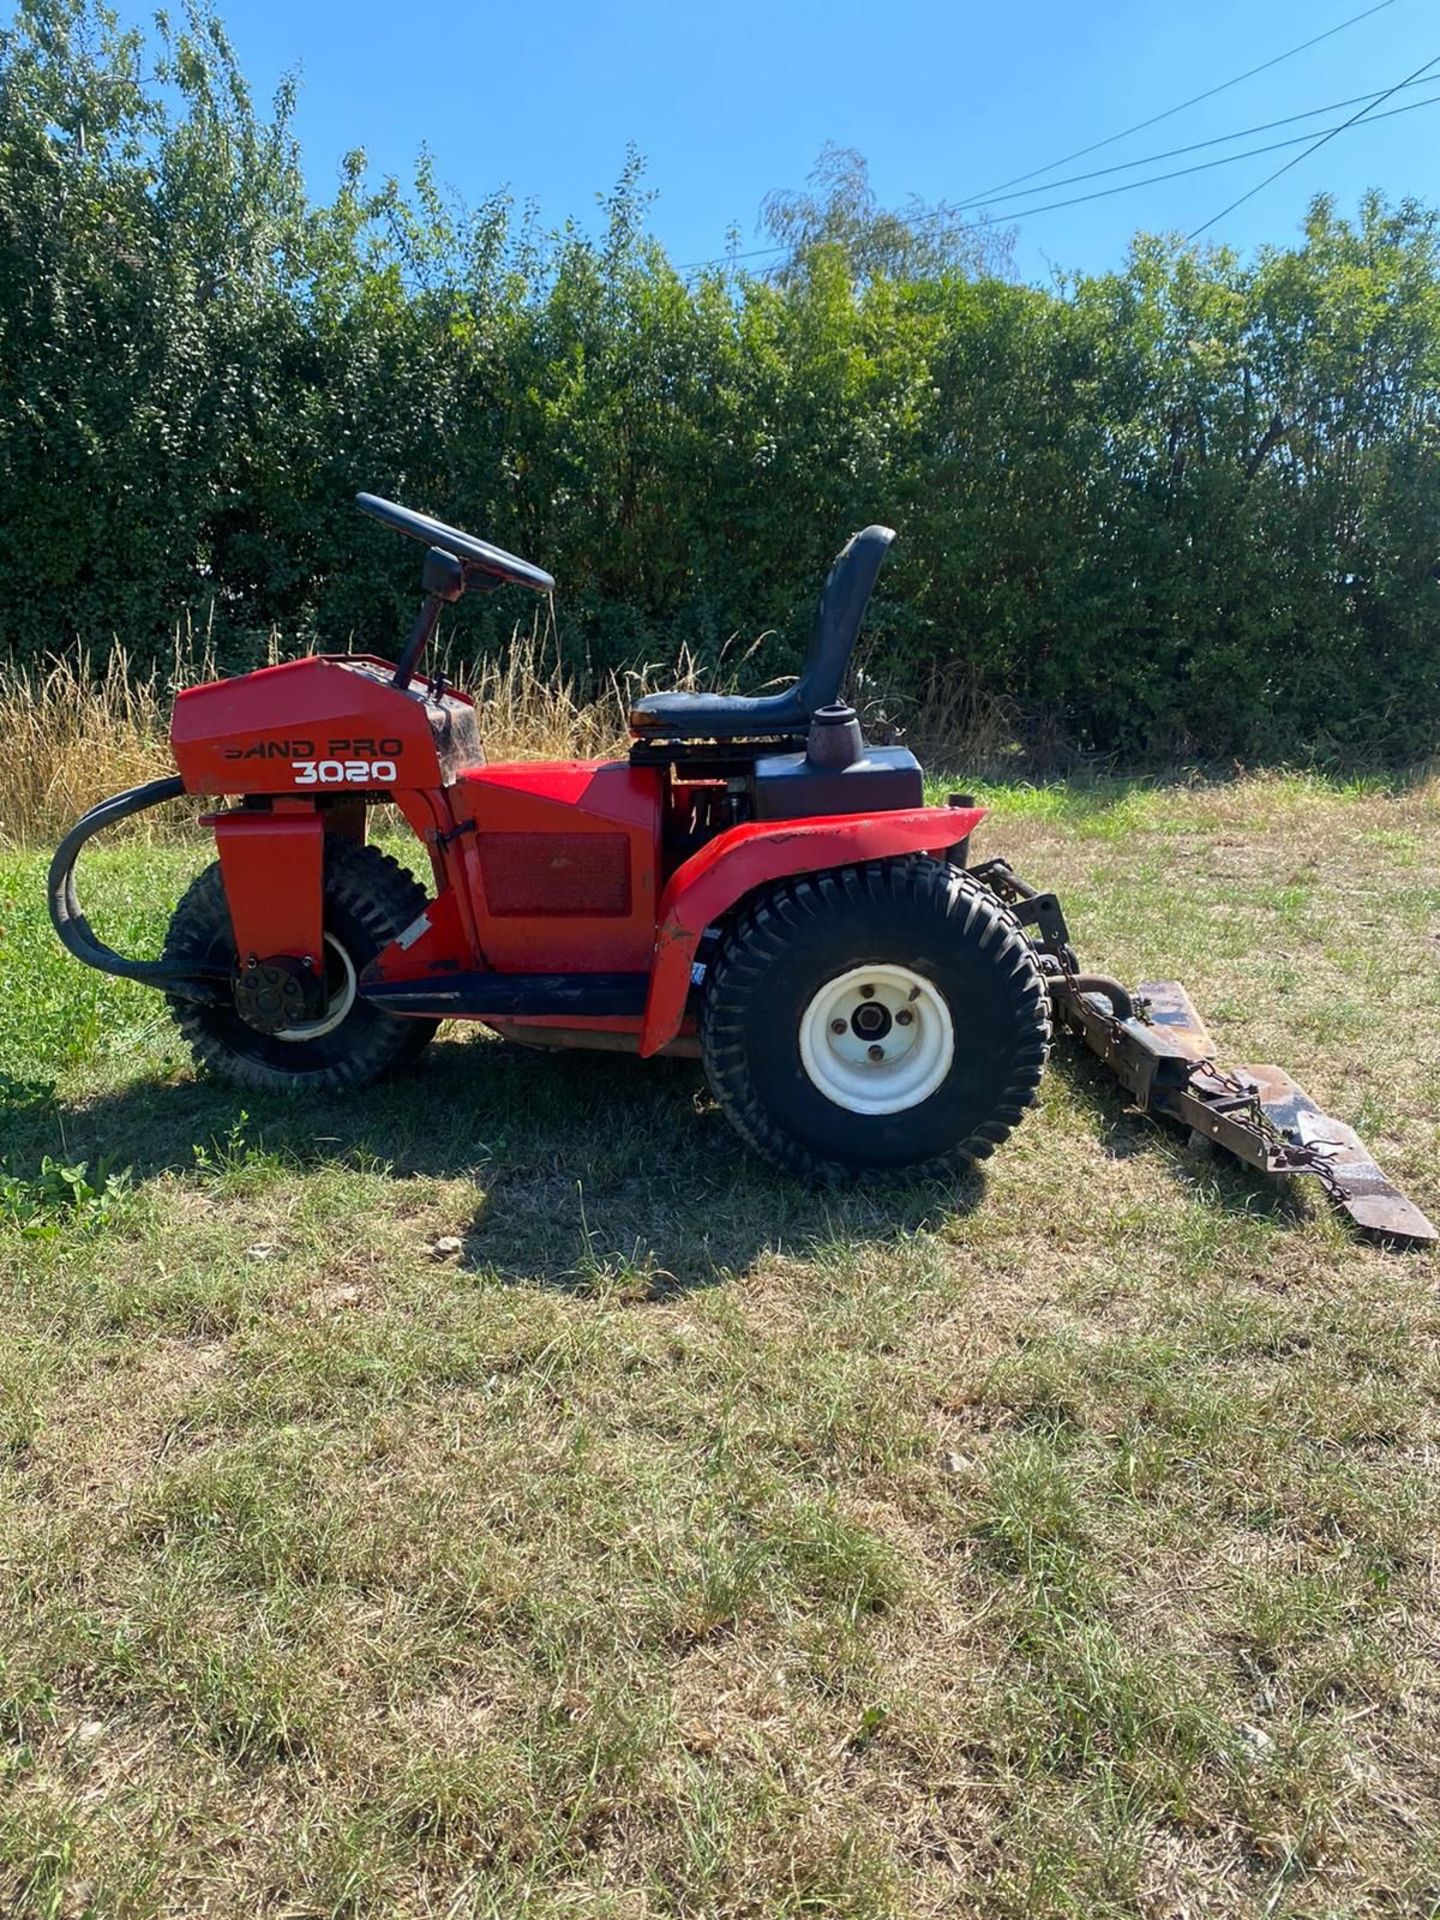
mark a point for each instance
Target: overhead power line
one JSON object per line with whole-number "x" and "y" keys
{"x": 1315, "y": 146}
{"x": 1154, "y": 120}
{"x": 1132, "y": 186}
{"x": 1172, "y": 153}
{"x": 1223, "y": 160}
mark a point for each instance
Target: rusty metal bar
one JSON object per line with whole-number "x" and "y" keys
{"x": 1159, "y": 1049}
{"x": 1165, "y": 1059}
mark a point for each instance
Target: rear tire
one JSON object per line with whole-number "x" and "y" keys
{"x": 369, "y": 899}
{"x": 878, "y": 1021}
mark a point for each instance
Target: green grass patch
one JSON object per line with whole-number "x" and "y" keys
{"x": 1059, "y": 1542}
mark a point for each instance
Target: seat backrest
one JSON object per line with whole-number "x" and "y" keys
{"x": 843, "y": 601}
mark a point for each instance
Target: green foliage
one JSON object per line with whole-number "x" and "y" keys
{"x": 1186, "y": 508}
{"x": 62, "y": 1194}
{"x": 841, "y": 210}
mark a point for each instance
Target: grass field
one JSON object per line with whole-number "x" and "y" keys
{"x": 497, "y": 1495}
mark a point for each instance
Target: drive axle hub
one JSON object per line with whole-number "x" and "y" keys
{"x": 271, "y": 995}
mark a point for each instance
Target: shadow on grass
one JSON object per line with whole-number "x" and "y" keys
{"x": 592, "y": 1171}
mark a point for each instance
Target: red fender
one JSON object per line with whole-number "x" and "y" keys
{"x": 735, "y": 863}
{"x": 272, "y": 865}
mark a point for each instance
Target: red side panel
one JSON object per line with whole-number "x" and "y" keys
{"x": 273, "y": 868}
{"x": 735, "y": 863}
{"x": 561, "y": 863}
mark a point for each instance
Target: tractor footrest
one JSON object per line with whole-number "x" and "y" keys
{"x": 468, "y": 996}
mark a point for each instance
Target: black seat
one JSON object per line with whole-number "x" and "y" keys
{"x": 722, "y": 716}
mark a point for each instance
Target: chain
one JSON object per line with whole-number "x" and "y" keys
{"x": 1295, "y": 1156}
{"x": 1292, "y": 1156}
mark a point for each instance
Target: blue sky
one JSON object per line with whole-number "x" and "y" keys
{"x": 945, "y": 101}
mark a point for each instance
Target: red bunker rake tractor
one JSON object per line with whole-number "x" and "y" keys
{"x": 753, "y": 883}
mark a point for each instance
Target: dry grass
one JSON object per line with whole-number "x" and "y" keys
{"x": 74, "y": 732}
{"x": 77, "y": 729}
{"x": 1061, "y": 1543}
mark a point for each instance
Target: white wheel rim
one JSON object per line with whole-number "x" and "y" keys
{"x": 877, "y": 1039}
{"x": 335, "y": 1010}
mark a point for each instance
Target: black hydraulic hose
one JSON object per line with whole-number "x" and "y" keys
{"x": 68, "y": 918}
{"x": 1121, "y": 1003}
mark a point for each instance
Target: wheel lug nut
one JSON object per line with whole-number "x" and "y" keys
{"x": 904, "y": 1017}
{"x": 877, "y": 1053}
{"x": 867, "y": 993}
{"x": 837, "y": 1026}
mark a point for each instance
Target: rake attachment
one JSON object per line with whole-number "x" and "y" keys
{"x": 1158, "y": 1048}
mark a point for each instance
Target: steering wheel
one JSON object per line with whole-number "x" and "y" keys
{"x": 474, "y": 555}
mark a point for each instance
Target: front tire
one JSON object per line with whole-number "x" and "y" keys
{"x": 877, "y": 1021}
{"x": 369, "y": 899}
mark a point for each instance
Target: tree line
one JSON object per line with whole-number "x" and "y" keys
{"x": 1187, "y": 508}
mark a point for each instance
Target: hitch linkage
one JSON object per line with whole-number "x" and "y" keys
{"x": 1158, "y": 1048}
